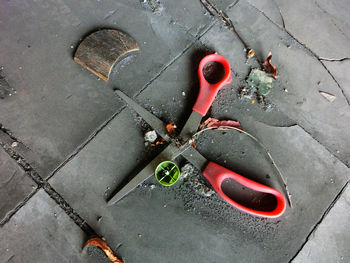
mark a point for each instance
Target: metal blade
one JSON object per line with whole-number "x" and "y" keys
{"x": 191, "y": 125}
{"x": 156, "y": 124}
{"x": 169, "y": 153}
{"x": 194, "y": 157}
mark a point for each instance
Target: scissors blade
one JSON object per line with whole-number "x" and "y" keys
{"x": 191, "y": 125}
{"x": 194, "y": 157}
{"x": 169, "y": 153}
{"x": 152, "y": 120}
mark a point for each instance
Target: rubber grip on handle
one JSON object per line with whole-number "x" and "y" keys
{"x": 216, "y": 174}
{"x": 207, "y": 91}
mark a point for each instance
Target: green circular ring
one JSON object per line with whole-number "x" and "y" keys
{"x": 167, "y": 173}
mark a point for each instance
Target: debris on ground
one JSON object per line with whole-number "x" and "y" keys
{"x": 151, "y": 136}
{"x": 250, "y": 53}
{"x": 269, "y": 67}
{"x": 327, "y": 96}
{"x": 246, "y": 92}
{"x": 98, "y": 242}
{"x": 171, "y": 127}
{"x": 260, "y": 80}
{"x": 159, "y": 141}
{"x": 211, "y": 122}
{"x": 190, "y": 177}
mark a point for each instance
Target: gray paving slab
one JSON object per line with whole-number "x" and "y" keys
{"x": 15, "y": 186}
{"x": 340, "y": 70}
{"x": 41, "y": 232}
{"x": 330, "y": 241}
{"x": 57, "y": 104}
{"x": 158, "y": 224}
{"x": 325, "y": 32}
{"x": 324, "y": 120}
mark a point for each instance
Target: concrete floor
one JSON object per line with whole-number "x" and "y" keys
{"x": 67, "y": 140}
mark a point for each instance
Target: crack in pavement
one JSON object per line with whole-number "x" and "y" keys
{"x": 314, "y": 228}
{"x": 307, "y": 48}
{"x": 212, "y": 9}
{"x": 17, "y": 208}
{"x": 334, "y": 59}
{"x": 279, "y": 10}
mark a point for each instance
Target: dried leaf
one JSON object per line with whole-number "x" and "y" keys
{"x": 269, "y": 67}
{"x": 98, "y": 242}
{"x": 211, "y": 122}
{"x": 170, "y": 128}
{"x": 250, "y": 54}
{"x": 327, "y": 96}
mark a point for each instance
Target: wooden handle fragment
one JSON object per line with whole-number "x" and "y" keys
{"x": 99, "y": 51}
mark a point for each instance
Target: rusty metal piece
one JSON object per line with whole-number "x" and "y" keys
{"x": 99, "y": 51}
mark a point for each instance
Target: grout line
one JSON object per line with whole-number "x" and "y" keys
{"x": 87, "y": 141}
{"x": 314, "y": 228}
{"x": 42, "y": 183}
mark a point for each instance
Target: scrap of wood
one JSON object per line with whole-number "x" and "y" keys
{"x": 99, "y": 51}
{"x": 98, "y": 242}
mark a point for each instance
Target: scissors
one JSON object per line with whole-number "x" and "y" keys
{"x": 182, "y": 145}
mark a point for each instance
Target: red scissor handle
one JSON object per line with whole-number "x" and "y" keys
{"x": 207, "y": 91}
{"x": 216, "y": 174}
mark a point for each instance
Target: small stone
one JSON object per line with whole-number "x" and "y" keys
{"x": 151, "y": 136}
{"x": 152, "y": 186}
{"x": 183, "y": 93}
{"x": 99, "y": 218}
{"x": 139, "y": 235}
{"x": 14, "y": 144}
{"x": 72, "y": 46}
{"x": 285, "y": 90}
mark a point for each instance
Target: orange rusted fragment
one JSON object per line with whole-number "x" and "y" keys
{"x": 250, "y": 54}
{"x": 159, "y": 141}
{"x": 193, "y": 145}
{"x": 98, "y": 242}
{"x": 269, "y": 67}
{"x": 171, "y": 128}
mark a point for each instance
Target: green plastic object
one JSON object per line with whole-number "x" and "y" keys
{"x": 167, "y": 173}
